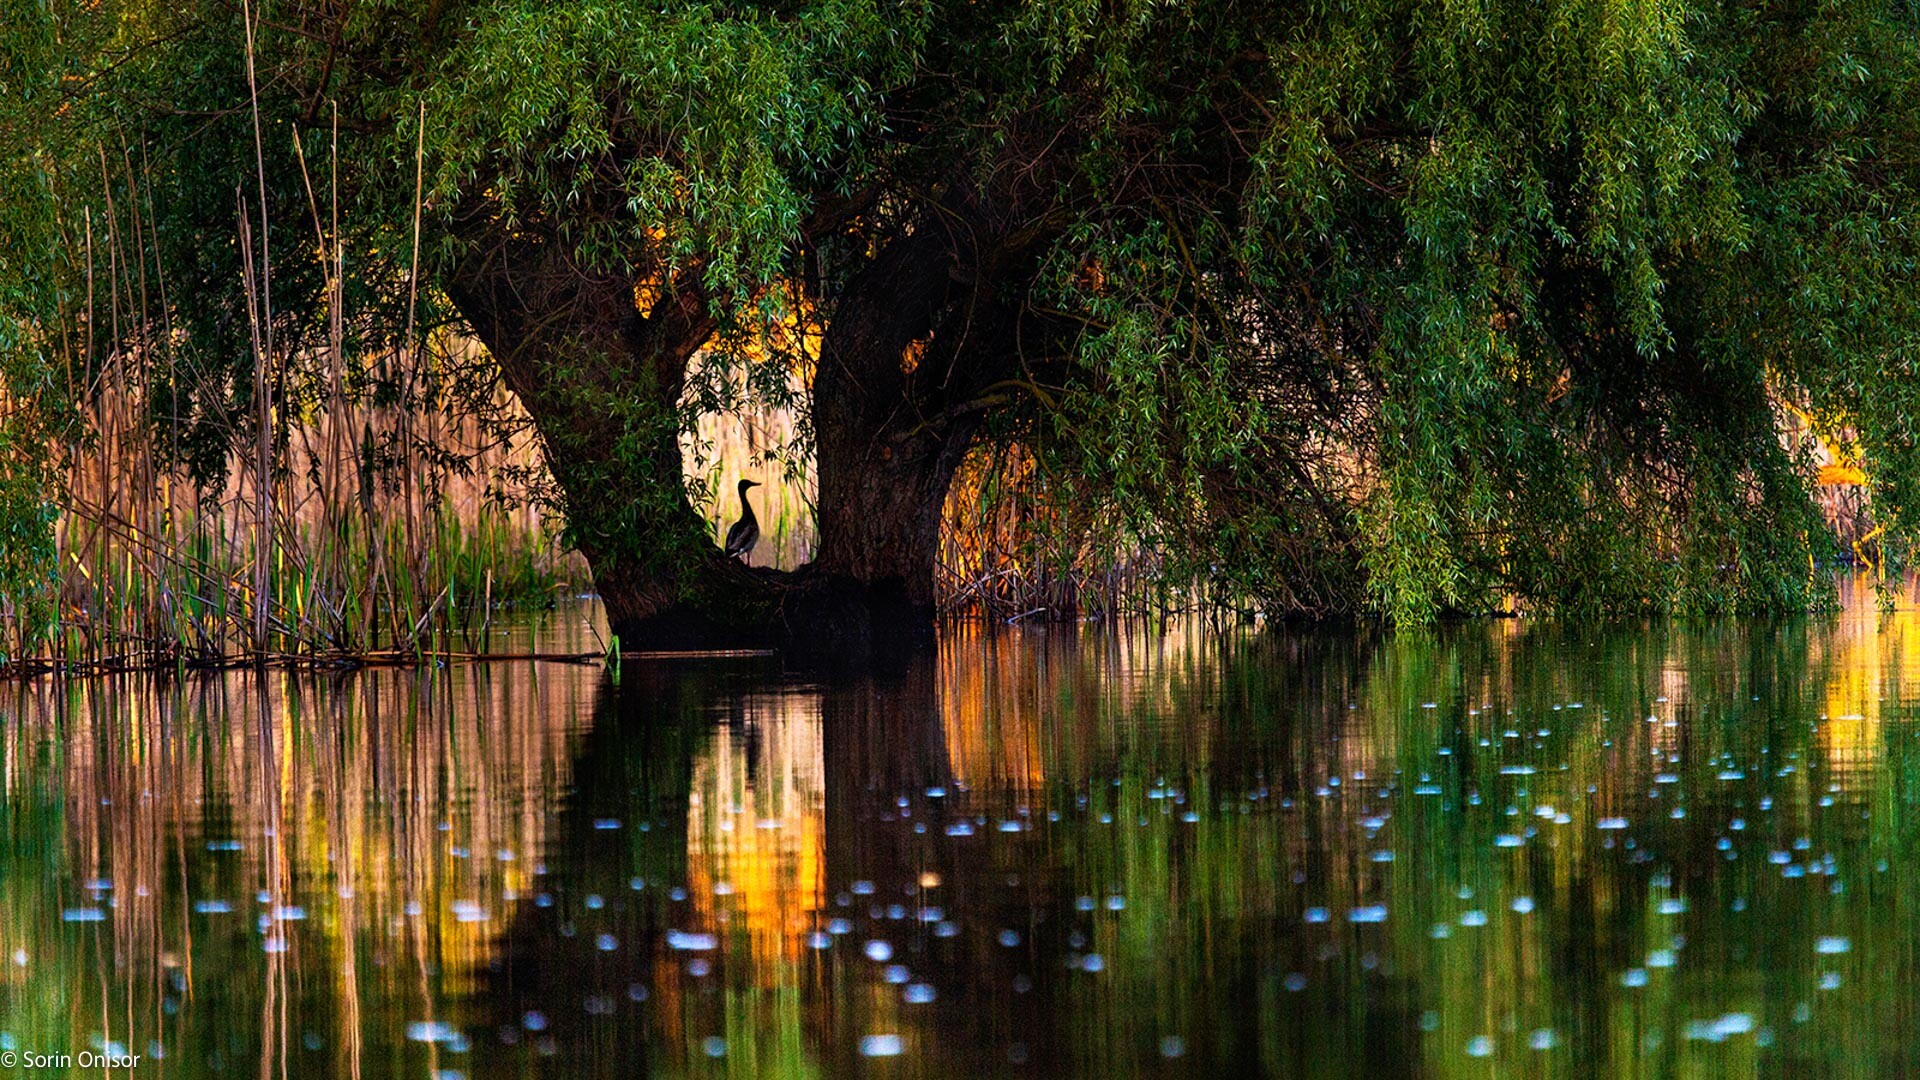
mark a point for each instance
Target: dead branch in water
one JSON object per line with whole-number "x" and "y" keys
{"x": 169, "y": 658}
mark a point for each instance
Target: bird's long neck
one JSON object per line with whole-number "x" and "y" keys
{"x": 746, "y": 508}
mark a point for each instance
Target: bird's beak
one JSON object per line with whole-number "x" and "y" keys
{"x": 753, "y": 483}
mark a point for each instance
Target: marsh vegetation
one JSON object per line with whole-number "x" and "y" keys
{"x": 1366, "y": 310}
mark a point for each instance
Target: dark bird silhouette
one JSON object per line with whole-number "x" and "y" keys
{"x": 745, "y": 532}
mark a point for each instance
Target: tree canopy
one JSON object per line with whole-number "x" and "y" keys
{"x": 1395, "y": 307}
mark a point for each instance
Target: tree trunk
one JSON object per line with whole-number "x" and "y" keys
{"x": 883, "y": 471}
{"x": 915, "y": 343}
{"x": 602, "y": 383}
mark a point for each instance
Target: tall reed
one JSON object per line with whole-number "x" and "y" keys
{"x": 152, "y": 571}
{"x": 347, "y": 521}
{"x": 1013, "y": 547}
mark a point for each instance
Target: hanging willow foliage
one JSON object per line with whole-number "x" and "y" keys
{"x": 1375, "y": 306}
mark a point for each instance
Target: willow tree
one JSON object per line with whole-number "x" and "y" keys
{"x": 597, "y": 191}
{"x": 1504, "y": 301}
{"x": 1370, "y": 306}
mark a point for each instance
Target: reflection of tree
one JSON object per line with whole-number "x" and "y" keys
{"x": 882, "y": 738}
{"x": 1193, "y": 779}
{"x": 624, "y": 822}
{"x": 1207, "y": 928}
{"x": 327, "y": 796}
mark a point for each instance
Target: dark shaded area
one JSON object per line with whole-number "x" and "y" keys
{"x": 1000, "y": 1008}
{"x": 554, "y": 992}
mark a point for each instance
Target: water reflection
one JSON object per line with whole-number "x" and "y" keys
{"x": 1532, "y": 848}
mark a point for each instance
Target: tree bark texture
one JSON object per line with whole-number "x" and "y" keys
{"x": 919, "y": 346}
{"x": 601, "y": 381}
{"x": 918, "y": 343}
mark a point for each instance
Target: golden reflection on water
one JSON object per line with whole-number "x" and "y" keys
{"x": 1014, "y": 705}
{"x": 1531, "y": 847}
{"x": 756, "y": 828}
{"x": 371, "y": 826}
{"x": 1876, "y": 658}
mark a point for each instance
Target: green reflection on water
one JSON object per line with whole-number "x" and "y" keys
{"x": 1520, "y": 848}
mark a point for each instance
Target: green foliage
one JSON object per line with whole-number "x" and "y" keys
{"x": 1537, "y": 279}
{"x": 1371, "y": 306}
{"x": 34, "y": 409}
{"x": 658, "y": 137}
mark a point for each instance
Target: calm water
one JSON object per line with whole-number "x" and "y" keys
{"x": 1518, "y": 848}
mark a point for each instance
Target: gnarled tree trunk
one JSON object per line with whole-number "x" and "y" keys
{"x": 884, "y": 459}
{"x": 917, "y": 344}
{"x": 601, "y": 381}
{"x": 924, "y": 342}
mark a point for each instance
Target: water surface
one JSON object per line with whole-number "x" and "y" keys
{"x": 1524, "y": 848}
